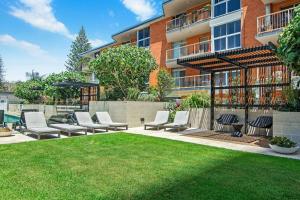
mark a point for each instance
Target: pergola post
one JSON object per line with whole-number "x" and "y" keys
{"x": 212, "y": 100}
{"x": 246, "y": 99}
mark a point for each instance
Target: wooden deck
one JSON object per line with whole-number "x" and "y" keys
{"x": 221, "y": 136}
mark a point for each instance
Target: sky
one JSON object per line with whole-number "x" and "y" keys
{"x": 37, "y": 34}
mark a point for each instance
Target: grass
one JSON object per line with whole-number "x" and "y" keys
{"x": 123, "y": 166}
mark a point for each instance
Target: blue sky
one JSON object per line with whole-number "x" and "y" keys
{"x": 37, "y": 34}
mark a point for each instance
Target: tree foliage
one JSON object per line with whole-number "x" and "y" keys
{"x": 289, "y": 43}
{"x": 33, "y": 75}
{"x": 123, "y": 67}
{"x": 1, "y": 73}
{"x": 59, "y": 92}
{"x": 165, "y": 82}
{"x": 29, "y": 91}
{"x": 80, "y": 45}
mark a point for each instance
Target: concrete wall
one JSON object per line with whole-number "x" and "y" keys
{"x": 49, "y": 110}
{"x": 287, "y": 124}
{"x": 130, "y": 112}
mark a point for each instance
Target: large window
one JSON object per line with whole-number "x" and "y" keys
{"x": 222, "y": 7}
{"x": 227, "y": 36}
{"x": 143, "y": 38}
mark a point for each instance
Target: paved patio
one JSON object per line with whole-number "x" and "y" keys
{"x": 214, "y": 143}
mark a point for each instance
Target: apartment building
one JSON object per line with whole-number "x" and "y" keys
{"x": 194, "y": 27}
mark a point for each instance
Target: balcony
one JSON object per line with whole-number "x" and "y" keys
{"x": 269, "y": 26}
{"x": 185, "y": 51}
{"x": 188, "y": 25}
{"x": 198, "y": 82}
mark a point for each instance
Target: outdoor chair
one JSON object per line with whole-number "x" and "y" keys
{"x": 105, "y": 119}
{"x": 227, "y": 119}
{"x": 69, "y": 129}
{"x": 180, "y": 121}
{"x": 2, "y": 122}
{"x": 84, "y": 119}
{"x": 36, "y": 124}
{"x": 264, "y": 122}
{"x": 22, "y": 123}
{"x": 161, "y": 119}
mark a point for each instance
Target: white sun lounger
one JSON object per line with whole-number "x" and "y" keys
{"x": 180, "y": 121}
{"x": 84, "y": 119}
{"x": 67, "y": 128}
{"x": 161, "y": 119}
{"x": 36, "y": 124}
{"x": 104, "y": 118}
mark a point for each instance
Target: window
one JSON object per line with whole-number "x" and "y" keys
{"x": 227, "y": 36}
{"x": 178, "y": 51}
{"x": 222, "y": 7}
{"x": 143, "y": 38}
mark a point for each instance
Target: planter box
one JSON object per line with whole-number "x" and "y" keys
{"x": 287, "y": 124}
{"x": 284, "y": 150}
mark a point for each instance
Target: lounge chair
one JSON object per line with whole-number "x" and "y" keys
{"x": 36, "y": 124}
{"x": 161, "y": 119}
{"x": 84, "y": 119}
{"x": 180, "y": 121}
{"x": 22, "y": 124}
{"x": 264, "y": 122}
{"x": 104, "y": 118}
{"x": 67, "y": 128}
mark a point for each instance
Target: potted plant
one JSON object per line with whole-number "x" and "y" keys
{"x": 283, "y": 145}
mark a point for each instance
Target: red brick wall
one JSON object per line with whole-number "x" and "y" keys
{"x": 251, "y": 10}
{"x": 158, "y": 46}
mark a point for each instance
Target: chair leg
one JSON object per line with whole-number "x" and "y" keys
{"x": 145, "y": 127}
{"x": 85, "y": 131}
{"x": 59, "y": 134}
{"x": 93, "y": 131}
{"x": 39, "y": 136}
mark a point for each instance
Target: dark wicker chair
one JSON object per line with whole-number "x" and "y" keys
{"x": 2, "y": 122}
{"x": 265, "y": 122}
{"x": 227, "y": 119}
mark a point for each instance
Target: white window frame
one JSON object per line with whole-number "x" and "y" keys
{"x": 226, "y": 7}
{"x": 142, "y": 40}
{"x": 226, "y": 37}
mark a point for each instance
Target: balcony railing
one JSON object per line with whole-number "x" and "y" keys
{"x": 193, "y": 82}
{"x": 187, "y": 20}
{"x": 188, "y": 50}
{"x": 274, "y": 21}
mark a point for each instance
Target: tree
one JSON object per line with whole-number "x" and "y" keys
{"x": 80, "y": 45}
{"x": 289, "y": 43}
{"x": 30, "y": 91}
{"x": 123, "y": 67}
{"x": 33, "y": 75}
{"x": 165, "y": 82}
{"x": 1, "y": 73}
{"x": 60, "y": 93}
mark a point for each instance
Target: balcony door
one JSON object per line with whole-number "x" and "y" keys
{"x": 178, "y": 75}
{"x": 178, "y": 51}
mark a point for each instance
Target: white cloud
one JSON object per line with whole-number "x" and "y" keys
{"x": 97, "y": 42}
{"x": 144, "y": 9}
{"x": 39, "y": 13}
{"x": 30, "y": 48}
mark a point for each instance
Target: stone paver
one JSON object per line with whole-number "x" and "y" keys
{"x": 227, "y": 145}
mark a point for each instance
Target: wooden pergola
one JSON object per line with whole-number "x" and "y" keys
{"x": 245, "y": 61}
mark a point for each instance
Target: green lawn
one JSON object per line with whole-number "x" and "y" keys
{"x": 123, "y": 166}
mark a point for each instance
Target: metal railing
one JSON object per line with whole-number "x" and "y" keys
{"x": 192, "y": 82}
{"x": 188, "y": 50}
{"x": 274, "y": 21}
{"x": 188, "y": 19}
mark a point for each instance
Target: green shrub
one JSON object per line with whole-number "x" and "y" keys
{"x": 283, "y": 142}
{"x": 133, "y": 94}
{"x": 147, "y": 97}
{"x": 165, "y": 82}
{"x": 199, "y": 100}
